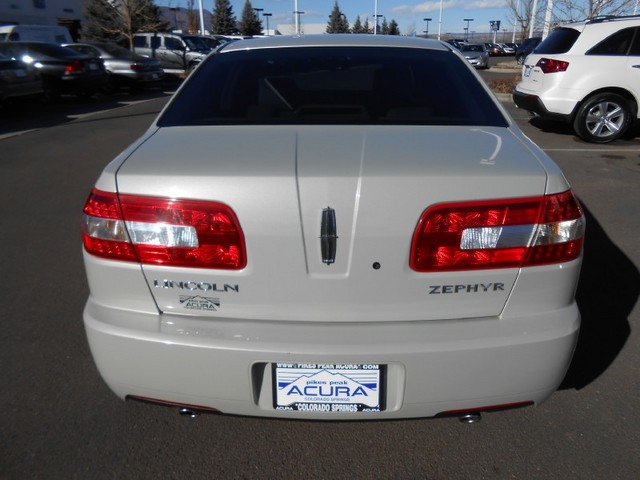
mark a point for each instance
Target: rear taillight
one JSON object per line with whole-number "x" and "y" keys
{"x": 498, "y": 234}
{"x": 135, "y": 67}
{"x": 163, "y": 231}
{"x": 75, "y": 66}
{"x": 548, "y": 65}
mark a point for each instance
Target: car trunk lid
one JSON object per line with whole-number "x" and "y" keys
{"x": 375, "y": 182}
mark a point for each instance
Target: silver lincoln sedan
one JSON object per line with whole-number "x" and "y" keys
{"x": 333, "y": 227}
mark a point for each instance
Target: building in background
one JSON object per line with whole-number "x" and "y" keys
{"x": 67, "y": 13}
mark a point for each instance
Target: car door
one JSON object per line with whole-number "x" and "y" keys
{"x": 633, "y": 65}
{"x": 172, "y": 55}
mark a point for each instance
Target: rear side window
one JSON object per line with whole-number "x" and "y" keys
{"x": 337, "y": 85}
{"x": 139, "y": 42}
{"x": 635, "y": 48}
{"x": 559, "y": 41}
{"x": 616, "y": 44}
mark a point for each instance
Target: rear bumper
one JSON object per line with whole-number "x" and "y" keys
{"x": 433, "y": 366}
{"x": 534, "y": 104}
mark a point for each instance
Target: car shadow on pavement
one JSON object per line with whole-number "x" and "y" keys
{"x": 30, "y": 114}
{"x": 607, "y": 293}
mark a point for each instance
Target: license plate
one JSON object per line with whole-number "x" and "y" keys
{"x": 93, "y": 66}
{"x": 315, "y": 387}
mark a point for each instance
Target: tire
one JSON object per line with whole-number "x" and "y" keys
{"x": 602, "y": 118}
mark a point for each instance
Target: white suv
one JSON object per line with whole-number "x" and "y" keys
{"x": 587, "y": 73}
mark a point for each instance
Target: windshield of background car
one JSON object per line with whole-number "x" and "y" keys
{"x": 472, "y": 48}
{"x": 559, "y": 41}
{"x": 333, "y": 85}
{"x": 195, "y": 43}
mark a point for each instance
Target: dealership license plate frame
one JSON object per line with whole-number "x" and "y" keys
{"x": 311, "y": 390}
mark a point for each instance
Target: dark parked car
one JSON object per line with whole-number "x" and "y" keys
{"x": 125, "y": 68}
{"x": 526, "y": 47}
{"x": 62, "y": 69}
{"x": 17, "y": 80}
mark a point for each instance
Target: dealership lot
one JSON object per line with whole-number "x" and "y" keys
{"x": 61, "y": 421}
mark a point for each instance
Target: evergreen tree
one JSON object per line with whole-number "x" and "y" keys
{"x": 394, "y": 29}
{"x": 223, "y": 21}
{"x": 249, "y": 24}
{"x": 357, "y": 26}
{"x": 118, "y": 20}
{"x": 337, "y": 21}
{"x": 366, "y": 27}
{"x": 384, "y": 28}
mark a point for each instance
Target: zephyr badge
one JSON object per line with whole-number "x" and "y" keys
{"x": 328, "y": 236}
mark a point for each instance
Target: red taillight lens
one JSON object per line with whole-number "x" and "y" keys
{"x": 498, "y": 234}
{"x": 152, "y": 230}
{"x": 74, "y": 67}
{"x": 548, "y": 65}
{"x": 135, "y": 67}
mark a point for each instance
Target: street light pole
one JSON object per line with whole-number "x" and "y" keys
{"x": 466, "y": 30}
{"x": 426, "y": 32}
{"x": 267, "y": 15}
{"x": 375, "y": 16}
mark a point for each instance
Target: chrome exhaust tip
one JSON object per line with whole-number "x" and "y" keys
{"x": 188, "y": 412}
{"x": 471, "y": 418}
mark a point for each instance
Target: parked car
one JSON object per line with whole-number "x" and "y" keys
{"x": 319, "y": 227}
{"x": 125, "y": 68}
{"x": 475, "y": 54}
{"x": 177, "y": 53}
{"x": 494, "y": 49}
{"x": 508, "y": 49}
{"x": 17, "y": 80}
{"x": 588, "y": 74}
{"x": 456, "y": 43}
{"x": 526, "y": 47}
{"x": 62, "y": 70}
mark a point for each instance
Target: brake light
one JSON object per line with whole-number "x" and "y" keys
{"x": 498, "y": 234}
{"x": 74, "y": 67}
{"x": 548, "y": 65}
{"x": 163, "y": 231}
{"x": 135, "y": 67}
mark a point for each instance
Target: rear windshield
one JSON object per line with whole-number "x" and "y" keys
{"x": 333, "y": 85}
{"x": 559, "y": 41}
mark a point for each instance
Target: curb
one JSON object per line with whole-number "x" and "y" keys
{"x": 504, "y": 97}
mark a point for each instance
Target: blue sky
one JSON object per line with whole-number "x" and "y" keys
{"x": 409, "y": 14}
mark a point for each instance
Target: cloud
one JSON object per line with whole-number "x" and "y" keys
{"x": 434, "y": 6}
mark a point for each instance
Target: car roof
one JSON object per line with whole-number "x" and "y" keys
{"x": 336, "y": 40}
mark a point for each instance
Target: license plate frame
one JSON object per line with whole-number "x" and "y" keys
{"x": 322, "y": 387}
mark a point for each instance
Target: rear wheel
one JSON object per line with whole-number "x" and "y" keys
{"x": 602, "y": 118}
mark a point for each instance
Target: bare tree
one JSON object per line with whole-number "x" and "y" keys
{"x": 521, "y": 15}
{"x": 119, "y": 20}
{"x": 193, "y": 25}
{"x": 521, "y": 12}
{"x": 568, "y": 10}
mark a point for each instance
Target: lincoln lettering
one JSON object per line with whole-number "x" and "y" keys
{"x": 465, "y": 288}
{"x": 196, "y": 286}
